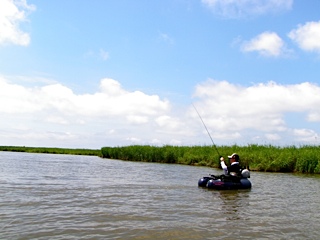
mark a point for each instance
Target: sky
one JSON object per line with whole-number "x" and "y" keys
{"x": 89, "y": 74}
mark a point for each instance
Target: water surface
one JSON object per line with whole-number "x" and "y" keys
{"x": 44, "y": 196}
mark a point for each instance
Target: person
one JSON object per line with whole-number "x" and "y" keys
{"x": 234, "y": 168}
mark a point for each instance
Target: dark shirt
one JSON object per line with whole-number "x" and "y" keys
{"x": 234, "y": 168}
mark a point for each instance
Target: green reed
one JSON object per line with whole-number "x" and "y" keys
{"x": 304, "y": 159}
{"x": 268, "y": 158}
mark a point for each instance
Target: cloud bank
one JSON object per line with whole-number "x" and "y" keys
{"x": 53, "y": 115}
{"x": 55, "y": 108}
{"x": 233, "y": 111}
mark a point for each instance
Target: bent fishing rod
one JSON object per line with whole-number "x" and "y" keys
{"x": 206, "y": 129}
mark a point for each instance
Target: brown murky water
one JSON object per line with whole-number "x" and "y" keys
{"x": 79, "y": 197}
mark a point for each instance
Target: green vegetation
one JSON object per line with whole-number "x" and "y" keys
{"x": 303, "y": 159}
{"x": 88, "y": 152}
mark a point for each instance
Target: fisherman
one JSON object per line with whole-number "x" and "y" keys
{"x": 234, "y": 169}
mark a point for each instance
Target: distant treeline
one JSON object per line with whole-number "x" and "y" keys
{"x": 89, "y": 152}
{"x": 303, "y": 159}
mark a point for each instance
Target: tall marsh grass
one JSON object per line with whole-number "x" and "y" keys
{"x": 304, "y": 159}
{"x": 268, "y": 158}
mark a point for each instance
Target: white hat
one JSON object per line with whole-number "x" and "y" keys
{"x": 234, "y": 155}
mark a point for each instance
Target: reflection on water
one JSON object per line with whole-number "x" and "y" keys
{"x": 234, "y": 203}
{"x": 78, "y": 197}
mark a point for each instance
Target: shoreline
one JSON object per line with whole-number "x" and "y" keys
{"x": 261, "y": 158}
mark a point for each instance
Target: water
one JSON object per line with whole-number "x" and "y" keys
{"x": 44, "y": 196}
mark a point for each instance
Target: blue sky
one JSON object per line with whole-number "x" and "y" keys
{"x": 100, "y": 73}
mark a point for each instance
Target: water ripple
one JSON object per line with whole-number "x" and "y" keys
{"x": 79, "y": 197}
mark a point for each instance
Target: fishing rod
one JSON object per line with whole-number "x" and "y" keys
{"x": 206, "y": 129}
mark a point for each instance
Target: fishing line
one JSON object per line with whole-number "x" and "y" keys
{"x": 206, "y": 129}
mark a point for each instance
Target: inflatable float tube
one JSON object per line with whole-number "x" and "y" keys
{"x": 226, "y": 182}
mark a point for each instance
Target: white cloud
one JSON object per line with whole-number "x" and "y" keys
{"x": 63, "y": 117}
{"x": 134, "y": 140}
{"x": 53, "y": 115}
{"x": 306, "y": 135}
{"x": 229, "y": 109}
{"x": 272, "y": 137}
{"x": 175, "y": 142}
{"x": 112, "y": 99}
{"x": 241, "y": 8}
{"x": 137, "y": 119}
{"x": 307, "y": 36}
{"x": 12, "y": 13}
{"x": 266, "y": 44}
{"x": 314, "y": 117}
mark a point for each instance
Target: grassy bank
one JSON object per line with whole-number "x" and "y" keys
{"x": 303, "y": 159}
{"x": 89, "y": 152}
